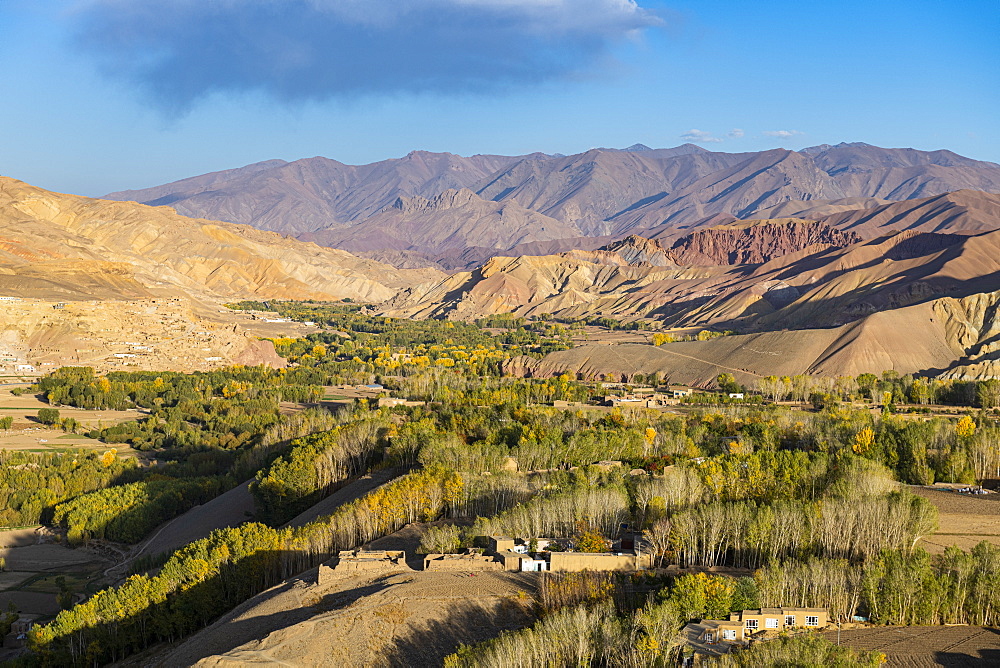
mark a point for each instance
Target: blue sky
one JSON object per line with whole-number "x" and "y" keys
{"x": 104, "y": 95}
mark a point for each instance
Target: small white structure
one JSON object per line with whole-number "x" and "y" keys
{"x": 534, "y": 565}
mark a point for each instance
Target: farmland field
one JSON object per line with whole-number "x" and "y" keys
{"x": 28, "y": 434}
{"x": 32, "y": 565}
{"x": 920, "y": 646}
{"x": 964, "y": 520}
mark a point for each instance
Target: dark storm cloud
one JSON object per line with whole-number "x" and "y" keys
{"x": 180, "y": 50}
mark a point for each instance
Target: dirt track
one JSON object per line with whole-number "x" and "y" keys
{"x": 346, "y": 494}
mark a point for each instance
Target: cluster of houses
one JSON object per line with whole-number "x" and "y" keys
{"x": 714, "y": 637}
{"x": 18, "y": 635}
{"x": 12, "y": 362}
{"x": 502, "y": 553}
{"x": 650, "y": 397}
{"x": 543, "y": 554}
{"x": 708, "y": 637}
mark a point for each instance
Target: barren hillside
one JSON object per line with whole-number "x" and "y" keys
{"x": 596, "y": 193}
{"x": 69, "y": 247}
{"x": 112, "y": 335}
{"x": 959, "y": 211}
{"x": 314, "y": 193}
{"x": 815, "y": 286}
{"x": 955, "y": 338}
{"x": 452, "y": 220}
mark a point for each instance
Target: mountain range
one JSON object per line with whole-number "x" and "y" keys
{"x": 432, "y": 208}
{"x": 843, "y": 258}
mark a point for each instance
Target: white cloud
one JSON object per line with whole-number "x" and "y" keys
{"x": 736, "y": 133}
{"x": 701, "y": 137}
{"x": 783, "y": 134}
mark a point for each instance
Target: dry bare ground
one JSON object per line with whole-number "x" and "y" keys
{"x": 409, "y": 618}
{"x": 230, "y": 509}
{"x": 963, "y": 520}
{"x": 395, "y": 617}
{"x": 920, "y": 646}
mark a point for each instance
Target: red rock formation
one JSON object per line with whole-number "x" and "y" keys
{"x": 756, "y": 242}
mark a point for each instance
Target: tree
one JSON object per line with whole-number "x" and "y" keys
{"x": 966, "y": 427}
{"x": 591, "y": 541}
{"x": 659, "y": 338}
{"x": 822, "y": 400}
{"x": 6, "y": 422}
{"x": 989, "y": 393}
{"x": 919, "y": 392}
{"x": 864, "y": 441}
{"x": 867, "y": 383}
{"x": 727, "y": 383}
{"x": 48, "y": 416}
{"x": 658, "y": 539}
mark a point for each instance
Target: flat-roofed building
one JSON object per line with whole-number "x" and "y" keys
{"x": 754, "y": 623}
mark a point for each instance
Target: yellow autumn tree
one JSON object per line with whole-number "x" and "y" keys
{"x": 863, "y": 441}
{"x": 966, "y": 427}
{"x": 659, "y": 338}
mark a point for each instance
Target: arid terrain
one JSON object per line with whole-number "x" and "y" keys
{"x": 399, "y": 617}
{"x": 595, "y": 193}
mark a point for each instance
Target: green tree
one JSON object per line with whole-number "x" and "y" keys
{"x": 989, "y": 393}
{"x": 48, "y": 416}
{"x": 727, "y": 383}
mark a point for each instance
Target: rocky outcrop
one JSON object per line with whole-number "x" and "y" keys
{"x": 757, "y": 241}
{"x": 636, "y": 250}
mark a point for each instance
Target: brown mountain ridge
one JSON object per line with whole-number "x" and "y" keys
{"x": 598, "y": 193}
